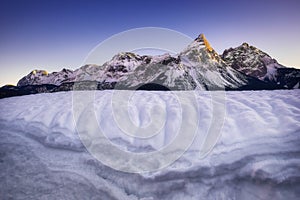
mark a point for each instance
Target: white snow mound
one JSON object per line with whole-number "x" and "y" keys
{"x": 256, "y": 156}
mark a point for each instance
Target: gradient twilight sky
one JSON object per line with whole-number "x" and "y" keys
{"x": 51, "y": 35}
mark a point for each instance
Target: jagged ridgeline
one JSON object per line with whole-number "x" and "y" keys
{"x": 256, "y": 63}
{"x": 197, "y": 67}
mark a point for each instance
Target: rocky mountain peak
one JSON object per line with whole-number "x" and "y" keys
{"x": 39, "y": 72}
{"x": 256, "y": 63}
{"x": 200, "y": 51}
{"x": 126, "y": 56}
{"x": 245, "y": 45}
{"x": 202, "y": 39}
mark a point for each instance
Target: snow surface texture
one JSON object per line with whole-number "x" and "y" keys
{"x": 256, "y": 157}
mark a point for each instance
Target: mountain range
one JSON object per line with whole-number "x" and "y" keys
{"x": 197, "y": 67}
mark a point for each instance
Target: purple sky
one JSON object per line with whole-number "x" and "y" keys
{"x": 55, "y": 34}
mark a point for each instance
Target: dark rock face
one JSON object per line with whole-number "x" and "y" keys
{"x": 288, "y": 78}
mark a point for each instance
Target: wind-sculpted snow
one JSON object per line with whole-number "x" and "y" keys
{"x": 256, "y": 157}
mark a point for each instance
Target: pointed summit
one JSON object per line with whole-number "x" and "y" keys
{"x": 200, "y": 43}
{"x": 202, "y": 39}
{"x": 200, "y": 49}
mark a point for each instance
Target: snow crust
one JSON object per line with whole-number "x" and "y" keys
{"x": 256, "y": 157}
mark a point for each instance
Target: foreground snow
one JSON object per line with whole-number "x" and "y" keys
{"x": 256, "y": 157}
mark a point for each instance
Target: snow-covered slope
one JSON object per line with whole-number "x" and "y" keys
{"x": 256, "y": 157}
{"x": 112, "y": 71}
{"x": 254, "y": 62}
{"x": 39, "y": 77}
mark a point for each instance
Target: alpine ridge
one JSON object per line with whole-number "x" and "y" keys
{"x": 197, "y": 67}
